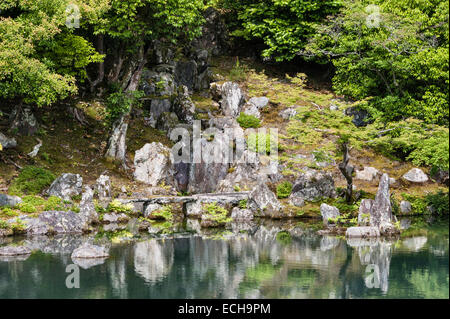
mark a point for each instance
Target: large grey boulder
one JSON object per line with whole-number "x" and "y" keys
{"x": 232, "y": 98}
{"x": 311, "y": 185}
{"x": 156, "y": 84}
{"x": 54, "y": 222}
{"x": 103, "y": 187}
{"x": 87, "y": 207}
{"x": 239, "y": 214}
{"x": 90, "y": 251}
{"x": 416, "y": 175}
{"x": 255, "y": 105}
{"x": 368, "y": 174}
{"x": 184, "y": 107}
{"x": 117, "y": 147}
{"x": 7, "y": 142}
{"x": 206, "y": 172}
{"x": 362, "y": 232}
{"x": 8, "y": 251}
{"x": 153, "y": 164}
{"x": 264, "y": 202}
{"x": 328, "y": 212}
{"x": 186, "y": 73}
{"x": 66, "y": 186}
{"x": 8, "y": 200}
{"x": 381, "y": 211}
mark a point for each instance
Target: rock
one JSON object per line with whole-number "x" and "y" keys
{"x": 214, "y": 37}
{"x": 158, "y": 107}
{"x": 381, "y": 211}
{"x": 54, "y": 222}
{"x": 186, "y": 73}
{"x": 405, "y": 207}
{"x": 405, "y": 223}
{"x": 184, "y": 107}
{"x": 7, "y": 142}
{"x": 441, "y": 176}
{"x": 182, "y": 170}
{"x": 112, "y": 218}
{"x": 153, "y": 164}
{"x": 8, "y": 251}
{"x": 150, "y": 209}
{"x": 259, "y": 102}
{"x": 328, "y": 212}
{"x": 416, "y": 175}
{"x": 103, "y": 187}
{"x": 264, "y": 202}
{"x": 87, "y": 207}
{"x": 368, "y": 174}
{"x": 194, "y": 209}
{"x": 392, "y": 181}
{"x": 288, "y": 113}
{"x": 8, "y": 200}
{"x": 157, "y": 84}
{"x": 66, "y": 186}
{"x": 361, "y": 117}
{"x": 238, "y": 214}
{"x": 117, "y": 147}
{"x": 90, "y": 251}
{"x": 364, "y": 213}
{"x": 167, "y": 122}
{"x": 334, "y": 107}
{"x": 232, "y": 99}
{"x": 415, "y": 243}
{"x": 362, "y": 232}
{"x": 311, "y": 185}
{"x": 6, "y": 232}
{"x": 222, "y": 123}
{"x": 86, "y": 263}
{"x": 206, "y": 172}
{"x": 24, "y": 121}
{"x": 251, "y": 109}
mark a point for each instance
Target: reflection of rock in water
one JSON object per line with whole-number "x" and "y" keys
{"x": 57, "y": 245}
{"x": 414, "y": 243}
{"x": 89, "y": 263}
{"x": 376, "y": 253}
{"x": 153, "y": 259}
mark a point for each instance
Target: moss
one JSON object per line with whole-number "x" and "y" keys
{"x": 31, "y": 180}
{"x": 248, "y": 121}
{"x": 116, "y": 206}
{"x": 216, "y": 213}
{"x": 284, "y": 189}
{"x": 164, "y": 213}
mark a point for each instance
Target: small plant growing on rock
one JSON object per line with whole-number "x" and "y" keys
{"x": 164, "y": 213}
{"x": 248, "y": 121}
{"x": 117, "y": 207}
{"x": 284, "y": 189}
{"x": 214, "y": 216}
{"x": 243, "y": 204}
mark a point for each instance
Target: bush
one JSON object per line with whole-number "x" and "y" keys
{"x": 117, "y": 207}
{"x": 216, "y": 213}
{"x": 119, "y": 103}
{"x": 165, "y": 213}
{"x": 32, "y": 180}
{"x": 248, "y": 121}
{"x": 284, "y": 189}
{"x": 262, "y": 143}
{"x": 438, "y": 202}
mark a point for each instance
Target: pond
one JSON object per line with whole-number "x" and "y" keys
{"x": 269, "y": 260}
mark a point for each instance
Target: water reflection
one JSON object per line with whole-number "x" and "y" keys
{"x": 255, "y": 260}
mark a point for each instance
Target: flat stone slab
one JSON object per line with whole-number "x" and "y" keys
{"x": 9, "y": 251}
{"x": 213, "y": 197}
{"x": 362, "y": 232}
{"x": 90, "y": 251}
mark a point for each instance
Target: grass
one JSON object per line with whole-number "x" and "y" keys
{"x": 284, "y": 189}
{"x": 32, "y": 180}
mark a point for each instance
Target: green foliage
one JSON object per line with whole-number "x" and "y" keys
{"x": 216, "y": 213}
{"x": 119, "y": 103}
{"x": 284, "y": 189}
{"x": 238, "y": 73}
{"x": 164, "y": 213}
{"x": 115, "y": 206}
{"x": 248, "y": 121}
{"x": 27, "y": 208}
{"x": 439, "y": 202}
{"x": 31, "y": 180}
{"x": 262, "y": 143}
{"x": 4, "y": 224}
{"x": 282, "y": 25}
{"x": 243, "y": 204}
{"x": 400, "y": 64}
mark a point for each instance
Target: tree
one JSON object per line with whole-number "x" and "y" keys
{"x": 282, "y": 25}
{"x": 35, "y": 43}
{"x": 346, "y": 169}
{"x": 395, "y": 53}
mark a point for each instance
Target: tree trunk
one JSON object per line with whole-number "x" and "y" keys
{"x": 101, "y": 65}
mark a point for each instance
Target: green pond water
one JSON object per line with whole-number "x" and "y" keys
{"x": 258, "y": 263}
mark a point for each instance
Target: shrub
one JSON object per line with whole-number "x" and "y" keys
{"x": 165, "y": 213}
{"x": 248, "y": 121}
{"x": 27, "y": 208}
{"x": 243, "y": 204}
{"x": 262, "y": 143}
{"x": 438, "y": 202}
{"x": 284, "y": 189}
{"x": 32, "y": 180}
{"x": 216, "y": 213}
{"x": 117, "y": 207}
{"x": 54, "y": 203}
{"x": 237, "y": 73}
